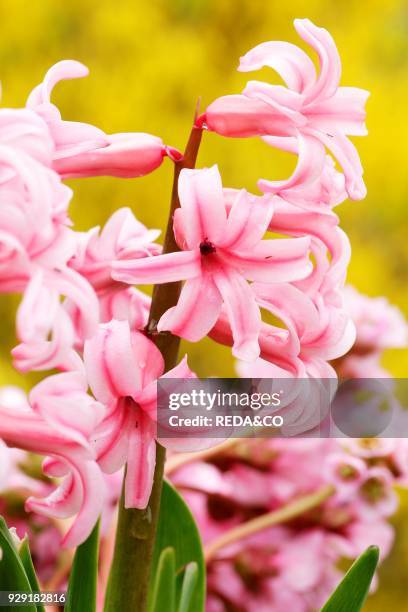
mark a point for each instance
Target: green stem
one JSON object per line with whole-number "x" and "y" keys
{"x": 129, "y": 577}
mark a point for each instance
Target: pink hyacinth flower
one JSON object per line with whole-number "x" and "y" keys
{"x": 376, "y": 494}
{"x": 221, "y": 249}
{"x": 312, "y": 107}
{"x": 129, "y": 305}
{"x": 122, "y": 237}
{"x": 380, "y": 325}
{"x": 84, "y": 150}
{"x": 60, "y": 426}
{"x": 44, "y": 326}
{"x": 34, "y": 223}
{"x": 122, "y": 368}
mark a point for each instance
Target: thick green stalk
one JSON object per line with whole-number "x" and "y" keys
{"x": 136, "y": 530}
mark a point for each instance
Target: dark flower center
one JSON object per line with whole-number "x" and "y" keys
{"x": 206, "y": 248}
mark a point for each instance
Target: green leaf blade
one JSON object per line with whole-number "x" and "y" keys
{"x": 187, "y": 589}
{"x": 25, "y": 556}
{"x": 352, "y": 591}
{"x": 83, "y": 580}
{"x": 164, "y": 593}
{"x": 177, "y": 529}
{"x": 12, "y": 573}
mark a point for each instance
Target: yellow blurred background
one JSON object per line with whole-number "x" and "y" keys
{"x": 149, "y": 63}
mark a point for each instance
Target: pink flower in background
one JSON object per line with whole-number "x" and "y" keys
{"x": 122, "y": 368}
{"x": 222, "y": 248}
{"x": 375, "y": 493}
{"x": 295, "y": 564}
{"x": 380, "y": 326}
{"x": 61, "y": 428}
{"x": 311, "y": 107}
{"x": 84, "y": 150}
{"x": 346, "y": 472}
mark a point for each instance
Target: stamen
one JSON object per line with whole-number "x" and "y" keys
{"x": 206, "y": 248}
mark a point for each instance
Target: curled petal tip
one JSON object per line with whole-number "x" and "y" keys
{"x": 247, "y": 351}
{"x": 357, "y": 192}
{"x": 71, "y": 68}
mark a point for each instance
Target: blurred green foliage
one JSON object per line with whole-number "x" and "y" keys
{"x": 149, "y": 63}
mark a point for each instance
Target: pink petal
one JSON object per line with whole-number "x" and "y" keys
{"x": 63, "y": 502}
{"x": 124, "y": 234}
{"x": 291, "y": 302}
{"x": 112, "y": 437}
{"x": 122, "y": 155}
{"x": 346, "y": 154}
{"x": 273, "y": 261}
{"x": 110, "y": 363}
{"x": 75, "y": 287}
{"x": 147, "y": 399}
{"x": 310, "y": 164}
{"x": 240, "y": 116}
{"x": 289, "y": 144}
{"x": 291, "y": 63}
{"x": 167, "y": 268}
{"x": 22, "y": 428}
{"x": 330, "y": 66}
{"x": 181, "y": 370}
{"x": 65, "y": 69}
{"x": 196, "y": 311}
{"x": 243, "y": 313}
{"x": 342, "y": 112}
{"x": 93, "y": 490}
{"x": 141, "y": 463}
{"x": 70, "y": 137}
{"x": 148, "y": 357}
{"x": 202, "y": 205}
{"x": 247, "y": 221}
{"x": 128, "y": 305}
{"x": 284, "y": 102}
{"x": 62, "y": 400}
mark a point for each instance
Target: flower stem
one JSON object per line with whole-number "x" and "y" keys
{"x": 128, "y": 582}
{"x": 292, "y": 510}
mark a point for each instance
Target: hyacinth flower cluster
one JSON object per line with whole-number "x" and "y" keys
{"x": 351, "y": 484}
{"x": 313, "y": 518}
{"x": 83, "y": 311}
{"x": 316, "y": 516}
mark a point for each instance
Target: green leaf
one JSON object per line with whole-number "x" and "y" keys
{"x": 12, "y": 574}
{"x": 164, "y": 592}
{"x": 82, "y": 586}
{"x": 177, "y": 529}
{"x": 352, "y": 591}
{"x": 189, "y": 581}
{"x": 27, "y": 562}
